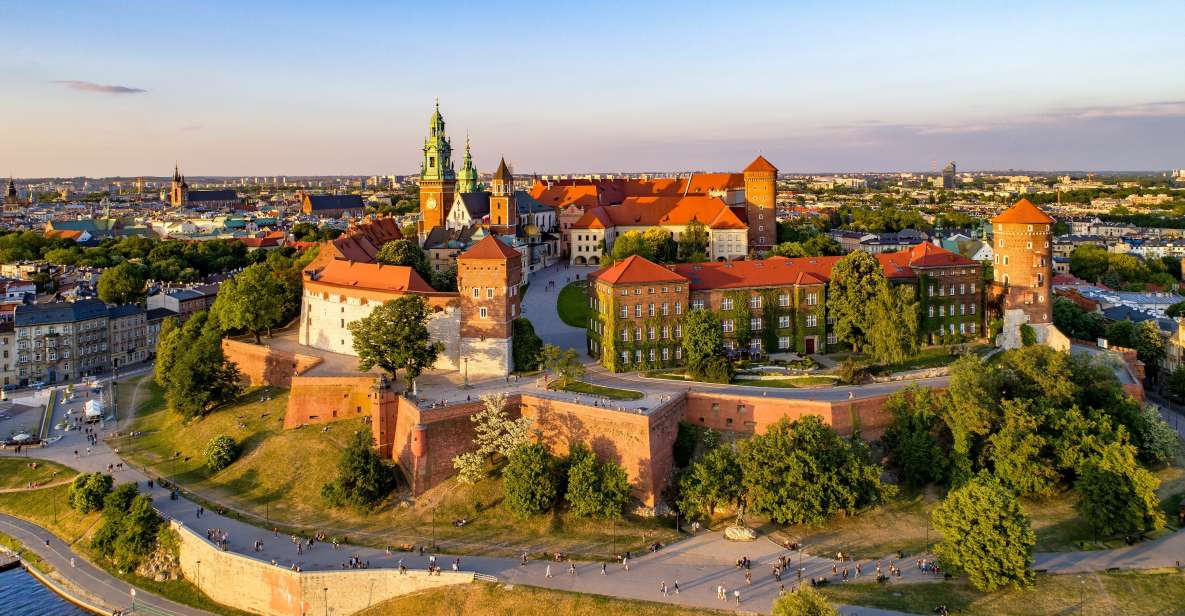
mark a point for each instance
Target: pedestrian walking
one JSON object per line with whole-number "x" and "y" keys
{"x": 662, "y": 587}
{"x": 736, "y": 594}
{"x": 547, "y": 573}
{"x": 603, "y": 572}
{"x": 676, "y": 587}
{"x": 572, "y": 569}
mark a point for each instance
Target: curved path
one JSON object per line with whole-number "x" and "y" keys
{"x": 96, "y": 586}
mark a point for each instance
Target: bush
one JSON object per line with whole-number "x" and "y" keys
{"x": 685, "y": 441}
{"x": 986, "y": 535}
{"x": 526, "y": 345}
{"x": 1028, "y": 335}
{"x": 87, "y": 491}
{"x": 852, "y": 372}
{"x": 220, "y": 452}
{"x": 595, "y": 490}
{"x": 805, "y": 601}
{"x": 362, "y": 481}
{"x": 529, "y": 480}
{"x": 718, "y": 370}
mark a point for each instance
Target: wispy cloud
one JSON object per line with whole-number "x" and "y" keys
{"x": 101, "y": 88}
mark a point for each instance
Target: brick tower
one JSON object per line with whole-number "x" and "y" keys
{"x": 438, "y": 181}
{"x": 503, "y": 209}
{"x": 178, "y": 188}
{"x": 761, "y": 193}
{"x": 488, "y": 279}
{"x": 1023, "y": 268}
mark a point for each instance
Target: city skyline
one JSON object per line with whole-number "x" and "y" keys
{"x": 127, "y": 89}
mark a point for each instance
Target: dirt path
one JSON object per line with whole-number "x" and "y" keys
{"x": 40, "y": 487}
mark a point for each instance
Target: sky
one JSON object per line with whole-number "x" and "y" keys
{"x": 123, "y": 87}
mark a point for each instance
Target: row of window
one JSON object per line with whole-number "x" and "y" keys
{"x": 963, "y": 310}
{"x": 755, "y": 301}
{"x": 512, "y": 291}
{"x": 652, "y": 355}
{"x": 651, "y": 310}
{"x": 652, "y": 333}
{"x": 942, "y": 290}
{"x": 652, "y": 290}
{"x": 783, "y": 322}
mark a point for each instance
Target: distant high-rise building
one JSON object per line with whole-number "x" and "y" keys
{"x": 948, "y": 175}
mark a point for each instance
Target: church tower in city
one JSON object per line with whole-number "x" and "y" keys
{"x": 467, "y": 176}
{"x": 438, "y": 181}
{"x": 503, "y": 208}
{"x": 178, "y": 188}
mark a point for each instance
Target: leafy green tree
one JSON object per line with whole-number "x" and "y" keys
{"x": 406, "y": 253}
{"x": 526, "y": 345}
{"x": 445, "y": 279}
{"x": 595, "y": 490}
{"x": 87, "y": 491}
{"x": 660, "y": 244}
{"x": 1174, "y": 385}
{"x": 529, "y": 480}
{"x": 253, "y": 301}
{"x": 1089, "y": 262}
{"x": 198, "y": 377}
{"x": 129, "y": 529}
{"x": 1117, "y": 494}
{"x": 693, "y": 243}
{"x": 629, "y": 244}
{"x": 911, "y": 438}
{"x": 822, "y": 246}
{"x": 123, "y": 284}
{"x": 986, "y": 535}
{"x": 804, "y": 601}
{"x": 1156, "y": 441}
{"x": 220, "y": 452}
{"x": 856, "y": 282}
{"x": 1175, "y": 311}
{"x": 892, "y": 324}
{"x": 362, "y": 481}
{"x": 1122, "y": 333}
{"x": 395, "y": 337}
{"x": 563, "y": 364}
{"x": 712, "y": 482}
{"x": 1075, "y": 322}
{"x": 803, "y": 472}
{"x": 969, "y": 416}
{"x": 703, "y": 346}
{"x": 1016, "y": 453}
{"x": 1149, "y": 346}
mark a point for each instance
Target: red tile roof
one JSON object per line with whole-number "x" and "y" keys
{"x": 1025, "y": 213}
{"x": 371, "y": 276}
{"x": 662, "y": 210}
{"x": 761, "y": 164}
{"x": 635, "y": 269}
{"x": 490, "y": 248}
{"x": 362, "y": 242}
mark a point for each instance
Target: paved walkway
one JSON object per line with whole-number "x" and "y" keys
{"x": 93, "y": 584}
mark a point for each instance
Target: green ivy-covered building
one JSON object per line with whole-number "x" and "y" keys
{"x": 766, "y": 306}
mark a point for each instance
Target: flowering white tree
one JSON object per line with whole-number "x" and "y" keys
{"x": 495, "y": 432}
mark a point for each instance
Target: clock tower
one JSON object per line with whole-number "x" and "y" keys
{"x": 438, "y": 181}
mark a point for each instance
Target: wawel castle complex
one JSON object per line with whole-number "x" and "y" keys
{"x": 497, "y": 235}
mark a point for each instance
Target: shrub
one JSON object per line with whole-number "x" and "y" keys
{"x": 220, "y": 452}
{"x": 1028, "y": 335}
{"x": 87, "y": 491}
{"x": 529, "y": 480}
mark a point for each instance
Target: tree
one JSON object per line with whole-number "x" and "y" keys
{"x": 969, "y": 416}
{"x": 198, "y": 377}
{"x": 703, "y": 345}
{"x": 253, "y": 301}
{"x": 123, "y": 284}
{"x": 712, "y": 482}
{"x": 1117, "y": 495}
{"x": 563, "y": 364}
{"x": 445, "y": 279}
{"x": 986, "y": 535}
{"x": 1122, "y": 334}
{"x": 660, "y": 244}
{"x": 822, "y": 246}
{"x": 803, "y": 472}
{"x": 1175, "y": 384}
{"x": 1016, "y": 453}
{"x": 362, "y": 481}
{"x": 406, "y": 253}
{"x": 220, "y": 452}
{"x": 1156, "y": 441}
{"x": 87, "y": 491}
{"x": 631, "y": 243}
{"x": 805, "y": 601}
{"x": 1075, "y": 322}
{"x": 1149, "y": 345}
{"x": 526, "y": 345}
{"x": 910, "y": 438}
{"x": 1176, "y": 310}
{"x": 595, "y": 490}
{"x": 856, "y": 282}
{"x": 892, "y": 324}
{"x": 693, "y": 243}
{"x": 529, "y": 480}
{"x": 1089, "y": 262}
{"x": 395, "y": 337}
{"x": 495, "y": 432}
{"x": 130, "y": 528}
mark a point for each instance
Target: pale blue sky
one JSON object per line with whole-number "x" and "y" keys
{"x": 346, "y": 87}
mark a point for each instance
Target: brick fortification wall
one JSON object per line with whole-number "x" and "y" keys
{"x": 753, "y": 414}
{"x": 255, "y": 586}
{"x": 263, "y": 365}
{"x": 322, "y": 399}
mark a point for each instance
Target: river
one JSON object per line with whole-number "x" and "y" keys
{"x": 21, "y": 593}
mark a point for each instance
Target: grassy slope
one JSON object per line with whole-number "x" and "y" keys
{"x": 573, "y": 304}
{"x": 491, "y": 599}
{"x": 280, "y": 473}
{"x": 1128, "y": 593}
{"x": 18, "y": 472}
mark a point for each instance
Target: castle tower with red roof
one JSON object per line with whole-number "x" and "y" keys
{"x": 1023, "y": 268}
{"x": 489, "y": 275}
{"x": 761, "y": 194}
{"x": 503, "y": 206}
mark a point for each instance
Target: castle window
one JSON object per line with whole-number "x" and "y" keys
{"x": 666, "y": 309}
{"x": 678, "y": 352}
{"x": 637, "y": 310}
{"x": 727, "y": 325}
{"x": 625, "y": 357}
{"x": 678, "y": 331}
{"x": 973, "y": 327}
{"x": 638, "y": 334}
{"x": 666, "y": 332}
{"x": 652, "y": 355}
{"x": 784, "y": 342}
{"x": 942, "y": 311}
{"x": 625, "y": 336}
{"x": 726, "y": 304}
{"x": 650, "y": 309}
{"x": 755, "y": 323}
{"x": 973, "y": 287}
{"x": 638, "y": 356}
{"x": 784, "y": 321}
{"x": 931, "y": 310}
{"x": 666, "y": 354}
{"x": 625, "y": 312}
{"x": 651, "y": 334}
{"x": 697, "y": 304}
{"x": 784, "y": 300}
{"x": 812, "y": 298}
{"x": 831, "y": 339}
{"x": 812, "y": 320}
{"x": 476, "y": 292}
{"x": 931, "y": 290}
{"x": 484, "y": 312}
{"x": 490, "y": 292}
{"x": 973, "y": 311}
{"x": 755, "y": 301}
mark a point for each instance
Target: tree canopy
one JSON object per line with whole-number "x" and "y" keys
{"x": 362, "y": 480}
{"x": 254, "y": 301}
{"x": 986, "y": 535}
{"x": 123, "y": 284}
{"x": 406, "y": 253}
{"x": 529, "y": 480}
{"x": 191, "y": 368}
{"x": 703, "y": 345}
{"x": 712, "y": 482}
{"x": 1118, "y": 495}
{"x": 395, "y": 337}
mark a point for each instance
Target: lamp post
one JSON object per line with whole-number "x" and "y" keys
{"x": 465, "y": 363}
{"x": 325, "y": 598}
{"x": 433, "y": 528}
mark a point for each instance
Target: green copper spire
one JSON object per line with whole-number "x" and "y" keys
{"x": 467, "y": 176}
{"x": 438, "y": 152}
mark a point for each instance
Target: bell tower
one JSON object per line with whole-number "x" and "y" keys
{"x": 438, "y": 181}
{"x": 761, "y": 194}
{"x": 467, "y": 176}
{"x": 178, "y": 188}
{"x": 503, "y": 207}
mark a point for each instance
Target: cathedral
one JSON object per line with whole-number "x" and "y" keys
{"x": 181, "y": 196}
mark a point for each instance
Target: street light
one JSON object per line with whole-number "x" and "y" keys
{"x": 325, "y": 597}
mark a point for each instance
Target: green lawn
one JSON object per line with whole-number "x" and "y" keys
{"x": 278, "y": 477}
{"x": 573, "y": 304}
{"x": 483, "y": 599}
{"x": 612, "y": 393}
{"x": 1098, "y": 594}
{"x": 32, "y": 559}
{"x": 18, "y": 472}
{"x": 789, "y": 382}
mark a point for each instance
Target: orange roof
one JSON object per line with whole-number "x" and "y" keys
{"x": 634, "y": 270}
{"x": 655, "y": 211}
{"x": 66, "y": 234}
{"x": 929, "y": 255}
{"x": 1025, "y": 213}
{"x": 362, "y": 241}
{"x": 371, "y": 276}
{"x": 490, "y": 247}
{"x": 761, "y": 164}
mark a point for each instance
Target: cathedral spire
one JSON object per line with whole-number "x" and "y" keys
{"x": 467, "y": 176}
